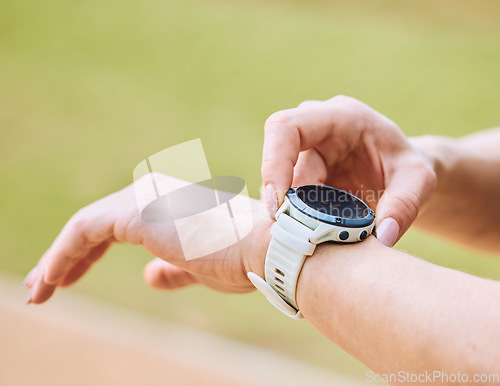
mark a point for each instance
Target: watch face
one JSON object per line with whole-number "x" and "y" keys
{"x": 332, "y": 202}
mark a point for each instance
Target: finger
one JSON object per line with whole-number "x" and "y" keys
{"x": 310, "y": 169}
{"x": 288, "y": 132}
{"x": 408, "y": 187}
{"x": 40, "y": 291}
{"x": 84, "y": 263}
{"x": 88, "y": 228}
{"x": 309, "y": 103}
{"x": 37, "y": 272}
{"x": 162, "y": 275}
{"x": 29, "y": 280}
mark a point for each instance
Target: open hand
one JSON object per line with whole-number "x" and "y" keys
{"x": 92, "y": 230}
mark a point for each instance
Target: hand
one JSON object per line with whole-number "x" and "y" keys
{"x": 344, "y": 143}
{"x": 116, "y": 218}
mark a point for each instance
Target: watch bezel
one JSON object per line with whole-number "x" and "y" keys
{"x": 302, "y": 207}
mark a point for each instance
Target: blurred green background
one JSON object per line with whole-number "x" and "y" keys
{"x": 89, "y": 88}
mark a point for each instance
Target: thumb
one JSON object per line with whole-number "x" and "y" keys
{"x": 162, "y": 275}
{"x": 399, "y": 205}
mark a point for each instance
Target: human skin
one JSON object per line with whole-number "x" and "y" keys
{"x": 116, "y": 218}
{"x": 451, "y": 185}
{"x": 390, "y": 310}
{"x": 344, "y": 143}
{"x": 395, "y": 312}
{"x": 465, "y": 205}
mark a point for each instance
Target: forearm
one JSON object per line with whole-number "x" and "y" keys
{"x": 465, "y": 205}
{"x": 395, "y": 312}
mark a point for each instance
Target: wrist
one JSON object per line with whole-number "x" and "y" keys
{"x": 334, "y": 268}
{"x": 441, "y": 154}
{"x": 255, "y": 251}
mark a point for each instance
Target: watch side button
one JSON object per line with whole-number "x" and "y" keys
{"x": 344, "y": 235}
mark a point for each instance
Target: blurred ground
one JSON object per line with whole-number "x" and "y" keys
{"x": 75, "y": 341}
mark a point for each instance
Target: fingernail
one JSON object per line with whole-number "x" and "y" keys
{"x": 388, "y": 231}
{"x": 28, "y": 299}
{"x": 271, "y": 200}
{"x": 29, "y": 277}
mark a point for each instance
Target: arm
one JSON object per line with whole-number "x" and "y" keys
{"x": 465, "y": 206}
{"x": 395, "y": 312}
{"x": 389, "y": 310}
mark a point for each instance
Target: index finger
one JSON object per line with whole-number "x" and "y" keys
{"x": 287, "y": 133}
{"x": 89, "y": 227}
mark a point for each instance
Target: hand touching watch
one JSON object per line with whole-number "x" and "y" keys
{"x": 344, "y": 143}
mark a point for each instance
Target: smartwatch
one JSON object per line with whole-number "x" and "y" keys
{"x": 310, "y": 215}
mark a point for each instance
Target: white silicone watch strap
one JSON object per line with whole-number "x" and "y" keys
{"x": 294, "y": 237}
{"x": 287, "y": 251}
{"x": 273, "y": 297}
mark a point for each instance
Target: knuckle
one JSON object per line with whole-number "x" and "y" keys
{"x": 128, "y": 230}
{"x": 348, "y": 101}
{"x": 356, "y": 110}
{"x": 278, "y": 120}
{"x": 309, "y": 103}
{"x": 77, "y": 221}
{"x": 304, "y": 103}
{"x": 428, "y": 174}
{"x": 425, "y": 173}
{"x": 340, "y": 98}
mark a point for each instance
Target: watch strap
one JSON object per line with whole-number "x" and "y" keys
{"x": 285, "y": 257}
{"x": 273, "y": 297}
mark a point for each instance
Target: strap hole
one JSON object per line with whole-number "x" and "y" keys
{"x": 279, "y": 280}
{"x": 279, "y": 272}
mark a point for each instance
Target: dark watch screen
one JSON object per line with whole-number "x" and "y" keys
{"x": 332, "y": 202}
